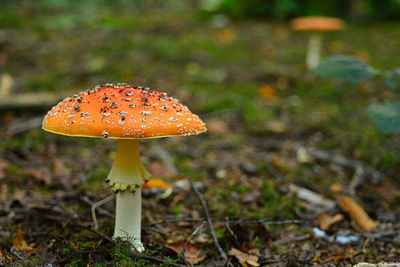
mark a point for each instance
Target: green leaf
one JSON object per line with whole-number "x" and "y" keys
{"x": 347, "y": 68}
{"x": 386, "y": 116}
{"x": 393, "y": 78}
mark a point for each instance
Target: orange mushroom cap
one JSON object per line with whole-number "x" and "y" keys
{"x": 318, "y": 24}
{"x": 122, "y": 111}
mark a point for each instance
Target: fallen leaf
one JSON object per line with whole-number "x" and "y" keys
{"x": 276, "y": 127}
{"x": 217, "y": 127}
{"x": 363, "y": 55}
{"x": 3, "y": 167}
{"x": 311, "y": 197}
{"x": 281, "y": 164}
{"x": 250, "y": 197}
{"x": 244, "y": 258}
{"x": 226, "y": 36}
{"x": 192, "y": 253}
{"x": 267, "y": 91}
{"x": 336, "y": 47}
{"x": 356, "y": 212}
{"x": 19, "y": 242}
{"x": 325, "y": 220}
{"x": 351, "y": 207}
{"x": 282, "y": 33}
{"x": 39, "y": 175}
{"x": 60, "y": 168}
{"x": 159, "y": 169}
{"x": 6, "y": 83}
{"x": 155, "y": 183}
{"x": 387, "y": 190}
{"x": 302, "y": 156}
{"x": 4, "y": 191}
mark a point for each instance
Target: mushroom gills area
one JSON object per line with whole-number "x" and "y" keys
{"x": 313, "y": 50}
{"x": 126, "y": 178}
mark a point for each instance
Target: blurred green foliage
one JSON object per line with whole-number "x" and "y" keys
{"x": 350, "y": 69}
{"x": 277, "y": 9}
{"x": 385, "y": 115}
{"x": 285, "y": 9}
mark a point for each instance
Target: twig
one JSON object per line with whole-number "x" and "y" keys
{"x": 165, "y": 157}
{"x": 361, "y": 172}
{"x": 24, "y": 101}
{"x": 229, "y": 229}
{"x": 138, "y": 256}
{"x": 97, "y": 205}
{"x": 23, "y": 126}
{"x": 193, "y": 234}
{"x": 105, "y": 237}
{"x": 231, "y": 221}
{"x": 383, "y": 234}
{"x": 159, "y": 260}
{"x": 15, "y": 159}
{"x": 19, "y": 256}
{"x": 99, "y": 209}
{"x": 210, "y": 225}
{"x": 311, "y": 197}
{"x": 78, "y": 251}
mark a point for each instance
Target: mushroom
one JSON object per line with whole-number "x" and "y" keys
{"x": 125, "y": 113}
{"x": 316, "y": 25}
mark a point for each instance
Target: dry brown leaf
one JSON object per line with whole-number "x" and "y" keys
{"x": 266, "y": 91}
{"x": 226, "y": 36}
{"x": 60, "y": 168}
{"x": 356, "y": 212}
{"x": 3, "y": 167}
{"x": 244, "y": 258}
{"x": 19, "y": 242}
{"x": 192, "y": 253}
{"x": 325, "y": 220}
{"x": 351, "y": 207}
{"x": 6, "y": 83}
{"x": 387, "y": 190}
{"x": 217, "y": 127}
{"x": 276, "y": 127}
{"x": 281, "y": 164}
{"x": 282, "y": 33}
{"x": 159, "y": 169}
{"x": 39, "y": 175}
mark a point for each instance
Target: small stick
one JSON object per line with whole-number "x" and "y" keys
{"x": 231, "y": 221}
{"x": 229, "y": 228}
{"x": 193, "y": 234}
{"x": 97, "y": 205}
{"x": 23, "y": 126}
{"x": 19, "y": 256}
{"x": 361, "y": 172}
{"x": 210, "y": 225}
{"x": 99, "y": 209}
{"x": 105, "y": 237}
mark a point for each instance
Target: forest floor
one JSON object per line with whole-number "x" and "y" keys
{"x": 288, "y": 164}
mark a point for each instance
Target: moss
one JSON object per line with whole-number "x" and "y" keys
{"x": 387, "y": 160}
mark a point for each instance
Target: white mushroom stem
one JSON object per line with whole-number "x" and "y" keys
{"x": 126, "y": 177}
{"x": 313, "y": 50}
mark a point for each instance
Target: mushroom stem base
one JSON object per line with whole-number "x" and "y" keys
{"x": 313, "y": 50}
{"x": 128, "y": 218}
{"x": 126, "y": 178}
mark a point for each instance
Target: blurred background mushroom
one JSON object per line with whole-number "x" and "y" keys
{"x": 316, "y": 26}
